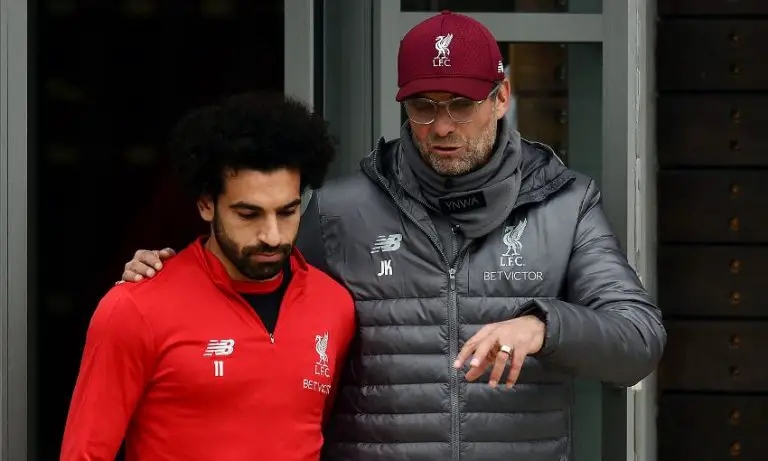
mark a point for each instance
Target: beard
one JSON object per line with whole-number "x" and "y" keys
{"x": 477, "y": 152}
{"x": 241, "y": 257}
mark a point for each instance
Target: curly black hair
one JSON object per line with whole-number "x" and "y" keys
{"x": 255, "y": 131}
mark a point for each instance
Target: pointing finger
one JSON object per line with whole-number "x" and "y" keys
{"x": 470, "y": 346}
{"x": 481, "y": 359}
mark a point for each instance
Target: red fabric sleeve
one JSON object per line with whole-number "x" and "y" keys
{"x": 117, "y": 364}
{"x": 331, "y": 399}
{"x": 342, "y": 359}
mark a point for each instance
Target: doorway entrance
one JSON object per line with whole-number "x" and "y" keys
{"x": 103, "y": 86}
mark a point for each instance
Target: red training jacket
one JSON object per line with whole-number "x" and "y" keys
{"x": 182, "y": 368}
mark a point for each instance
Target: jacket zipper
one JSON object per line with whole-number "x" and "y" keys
{"x": 281, "y": 313}
{"x": 453, "y": 314}
{"x": 259, "y": 322}
{"x": 453, "y": 326}
{"x": 454, "y": 346}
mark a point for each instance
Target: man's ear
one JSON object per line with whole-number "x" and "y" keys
{"x": 206, "y": 207}
{"x": 502, "y": 99}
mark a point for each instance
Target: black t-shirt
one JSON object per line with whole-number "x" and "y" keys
{"x": 267, "y": 305}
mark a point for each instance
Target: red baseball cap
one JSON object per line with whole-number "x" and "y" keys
{"x": 449, "y": 52}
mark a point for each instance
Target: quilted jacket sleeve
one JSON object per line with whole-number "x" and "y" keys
{"x": 609, "y": 329}
{"x": 310, "y": 240}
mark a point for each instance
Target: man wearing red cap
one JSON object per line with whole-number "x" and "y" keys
{"x": 475, "y": 259}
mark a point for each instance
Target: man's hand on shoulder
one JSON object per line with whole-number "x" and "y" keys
{"x": 497, "y": 343}
{"x": 145, "y": 264}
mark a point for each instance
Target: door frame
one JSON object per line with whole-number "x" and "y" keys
{"x": 299, "y": 60}
{"x": 13, "y": 230}
{"x": 15, "y": 192}
{"x": 299, "y": 49}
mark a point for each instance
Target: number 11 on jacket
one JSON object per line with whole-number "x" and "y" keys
{"x": 218, "y": 368}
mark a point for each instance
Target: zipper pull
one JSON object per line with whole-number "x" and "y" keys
{"x": 272, "y": 338}
{"x": 452, "y": 277}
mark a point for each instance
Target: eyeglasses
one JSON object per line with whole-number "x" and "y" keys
{"x": 423, "y": 111}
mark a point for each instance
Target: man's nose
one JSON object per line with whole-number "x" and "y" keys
{"x": 270, "y": 232}
{"x": 443, "y": 124}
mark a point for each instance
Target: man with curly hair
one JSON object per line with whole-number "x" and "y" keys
{"x": 193, "y": 363}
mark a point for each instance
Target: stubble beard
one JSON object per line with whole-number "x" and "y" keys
{"x": 478, "y": 152}
{"x": 240, "y": 257}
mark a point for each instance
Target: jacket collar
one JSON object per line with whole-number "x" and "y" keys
{"x": 218, "y": 274}
{"x": 543, "y": 173}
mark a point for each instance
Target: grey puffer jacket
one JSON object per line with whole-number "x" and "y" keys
{"x": 556, "y": 256}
